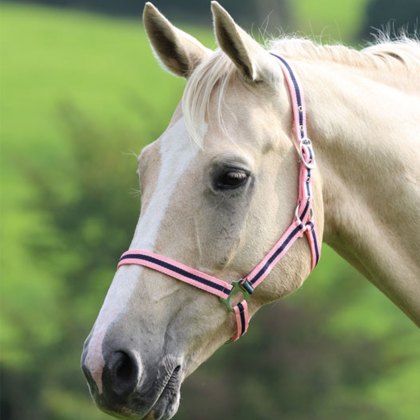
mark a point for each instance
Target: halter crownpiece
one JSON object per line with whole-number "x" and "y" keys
{"x": 302, "y": 223}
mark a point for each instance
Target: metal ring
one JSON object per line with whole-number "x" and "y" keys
{"x": 306, "y": 142}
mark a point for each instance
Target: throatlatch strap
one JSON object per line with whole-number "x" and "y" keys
{"x": 302, "y": 223}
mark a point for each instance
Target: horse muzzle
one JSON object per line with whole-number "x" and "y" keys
{"x": 123, "y": 385}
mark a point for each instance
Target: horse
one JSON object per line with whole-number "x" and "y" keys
{"x": 293, "y": 140}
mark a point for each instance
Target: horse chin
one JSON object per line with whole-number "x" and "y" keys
{"x": 165, "y": 407}
{"x": 168, "y": 402}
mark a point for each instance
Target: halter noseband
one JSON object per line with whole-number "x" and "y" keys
{"x": 302, "y": 223}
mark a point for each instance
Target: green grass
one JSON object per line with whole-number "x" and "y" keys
{"x": 49, "y": 57}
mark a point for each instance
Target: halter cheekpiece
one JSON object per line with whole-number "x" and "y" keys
{"x": 302, "y": 223}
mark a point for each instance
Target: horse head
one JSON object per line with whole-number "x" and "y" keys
{"x": 219, "y": 188}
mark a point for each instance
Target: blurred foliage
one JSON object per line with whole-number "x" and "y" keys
{"x": 329, "y": 20}
{"x": 350, "y": 21}
{"x": 392, "y": 17}
{"x": 80, "y": 97}
{"x": 183, "y": 9}
{"x": 322, "y": 18}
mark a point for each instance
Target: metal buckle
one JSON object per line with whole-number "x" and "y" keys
{"x": 242, "y": 286}
{"x": 306, "y": 142}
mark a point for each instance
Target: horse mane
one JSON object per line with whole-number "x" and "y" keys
{"x": 384, "y": 52}
{"x": 215, "y": 73}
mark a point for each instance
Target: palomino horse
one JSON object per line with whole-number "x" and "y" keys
{"x": 233, "y": 173}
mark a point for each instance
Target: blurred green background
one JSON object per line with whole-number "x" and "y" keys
{"x": 81, "y": 94}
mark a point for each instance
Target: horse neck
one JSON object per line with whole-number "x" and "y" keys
{"x": 366, "y": 138}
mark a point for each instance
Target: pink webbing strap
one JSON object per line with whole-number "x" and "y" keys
{"x": 242, "y": 319}
{"x": 301, "y": 224}
{"x": 177, "y": 270}
{"x": 195, "y": 278}
{"x": 304, "y": 212}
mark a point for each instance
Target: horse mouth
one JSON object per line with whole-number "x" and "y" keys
{"x": 167, "y": 402}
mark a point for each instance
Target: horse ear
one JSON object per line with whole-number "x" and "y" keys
{"x": 248, "y": 55}
{"x": 179, "y": 52}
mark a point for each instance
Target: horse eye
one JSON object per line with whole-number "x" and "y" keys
{"x": 231, "y": 179}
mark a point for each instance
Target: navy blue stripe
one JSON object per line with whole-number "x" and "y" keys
{"x": 311, "y": 156}
{"x": 307, "y": 181}
{"x": 242, "y": 316}
{"x": 177, "y": 270}
{"x": 316, "y": 245}
{"x": 305, "y": 210}
{"x": 276, "y": 253}
{"x": 296, "y": 86}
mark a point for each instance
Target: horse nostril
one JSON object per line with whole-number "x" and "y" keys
{"x": 121, "y": 373}
{"x": 123, "y": 367}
